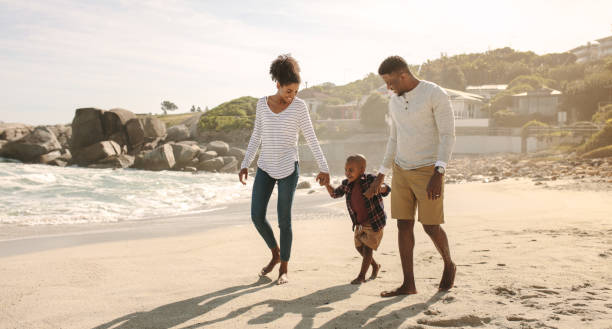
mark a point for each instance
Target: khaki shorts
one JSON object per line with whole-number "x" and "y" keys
{"x": 365, "y": 235}
{"x": 409, "y": 193}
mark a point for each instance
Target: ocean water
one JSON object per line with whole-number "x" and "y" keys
{"x": 40, "y": 195}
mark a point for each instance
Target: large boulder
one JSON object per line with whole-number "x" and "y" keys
{"x": 211, "y": 165}
{"x": 114, "y": 161}
{"x": 183, "y": 154}
{"x": 218, "y": 146}
{"x": 161, "y": 158}
{"x": 14, "y": 131}
{"x": 144, "y": 130}
{"x": 63, "y": 134}
{"x": 178, "y": 133}
{"x": 153, "y": 127}
{"x": 135, "y": 132}
{"x": 230, "y": 165}
{"x": 237, "y": 152}
{"x": 46, "y": 158}
{"x": 30, "y": 147}
{"x": 208, "y": 155}
{"x": 114, "y": 122}
{"x": 87, "y": 128}
{"x": 96, "y": 152}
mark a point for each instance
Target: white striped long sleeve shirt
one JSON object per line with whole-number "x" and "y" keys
{"x": 278, "y": 136}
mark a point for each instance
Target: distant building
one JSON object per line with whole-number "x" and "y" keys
{"x": 605, "y": 46}
{"x": 544, "y": 101}
{"x": 486, "y": 91}
{"x": 593, "y": 50}
{"x": 467, "y": 105}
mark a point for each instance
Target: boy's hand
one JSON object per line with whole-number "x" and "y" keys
{"x": 323, "y": 178}
{"x": 243, "y": 172}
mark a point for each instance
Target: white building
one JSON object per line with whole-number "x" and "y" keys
{"x": 544, "y": 101}
{"x": 486, "y": 91}
{"x": 467, "y": 105}
{"x": 593, "y": 50}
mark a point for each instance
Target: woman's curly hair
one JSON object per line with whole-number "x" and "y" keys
{"x": 285, "y": 70}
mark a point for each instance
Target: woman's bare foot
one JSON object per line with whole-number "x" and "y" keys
{"x": 375, "y": 269}
{"x": 448, "y": 277}
{"x": 398, "y": 292}
{"x": 359, "y": 280}
{"x": 275, "y": 260}
{"x": 282, "y": 279}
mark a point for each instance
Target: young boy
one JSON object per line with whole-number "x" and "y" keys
{"x": 367, "y": 215}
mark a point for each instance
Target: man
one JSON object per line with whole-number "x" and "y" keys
{"x": 419, "y": 148}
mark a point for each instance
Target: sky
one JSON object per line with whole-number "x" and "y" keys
{"x": 58, "y": 55}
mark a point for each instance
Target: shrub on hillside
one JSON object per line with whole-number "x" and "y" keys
{"x": 238, "y": 113}
{"x": 599, "y": 139}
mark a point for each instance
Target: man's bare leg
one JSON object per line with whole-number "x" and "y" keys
{"x": 405, "y": 241}
{"x": 282, "y": 273}
{"x": 275, "y": 260}
{"x": 440, "y": 240}
{"x": 375, "y": 266}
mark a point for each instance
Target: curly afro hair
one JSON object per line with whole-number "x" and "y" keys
{"x": 392, "y": 64}
{"x": 285, "y": 70}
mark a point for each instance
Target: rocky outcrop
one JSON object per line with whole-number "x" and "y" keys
{"x": 118, "y": 138}
{"x": 30, "y": 147}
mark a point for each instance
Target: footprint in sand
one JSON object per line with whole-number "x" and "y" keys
{"x": 464, "y": 321}
{"x": 503, "y": 291}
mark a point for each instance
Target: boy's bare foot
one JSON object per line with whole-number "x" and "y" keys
{"x": 282, "y": 279}
{"x": 359, "y": 280}
{"x": 448, "y": 277}
{"x": 275, "y": 260}
{"x": 375, "y": 268}
{"x": 398, "y": 292}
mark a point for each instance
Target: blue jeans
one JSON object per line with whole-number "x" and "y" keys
{"x": 262, "y": 190}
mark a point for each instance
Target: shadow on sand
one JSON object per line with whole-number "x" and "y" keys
{"x": 308, "y": 306}
{"x": 174, "y": 314}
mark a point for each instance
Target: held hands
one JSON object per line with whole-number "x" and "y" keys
{"x": 376, "y": 187}
{"x": 434, "y": 187}
{"x": 244, "y": 172}
{"x": 323, "y": 178}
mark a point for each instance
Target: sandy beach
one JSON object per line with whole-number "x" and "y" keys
{"x": 528, "y": 257}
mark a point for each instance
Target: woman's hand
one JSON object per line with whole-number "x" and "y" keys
{"x": 323, "y": 178}
{"x": 244, "y": 172}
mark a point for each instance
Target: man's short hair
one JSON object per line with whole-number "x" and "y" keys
{"x": 357, "y": 158}
{"x": 393, "y": 64}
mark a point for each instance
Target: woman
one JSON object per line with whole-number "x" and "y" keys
{"x": 278, "y": 120}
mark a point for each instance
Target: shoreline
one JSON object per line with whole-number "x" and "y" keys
{"x": 16, "y": 239}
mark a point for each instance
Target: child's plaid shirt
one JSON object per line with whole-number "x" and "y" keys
{"x": 375, "y": 207}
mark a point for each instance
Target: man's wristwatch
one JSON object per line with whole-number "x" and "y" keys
{"x": 440, "y": 170}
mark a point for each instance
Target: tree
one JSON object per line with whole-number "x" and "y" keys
{"x": 199, "y": 109}
{"x": 193, "y": 109}
{"x": 168, "y": 106}
{"x": 374, "y": 110}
